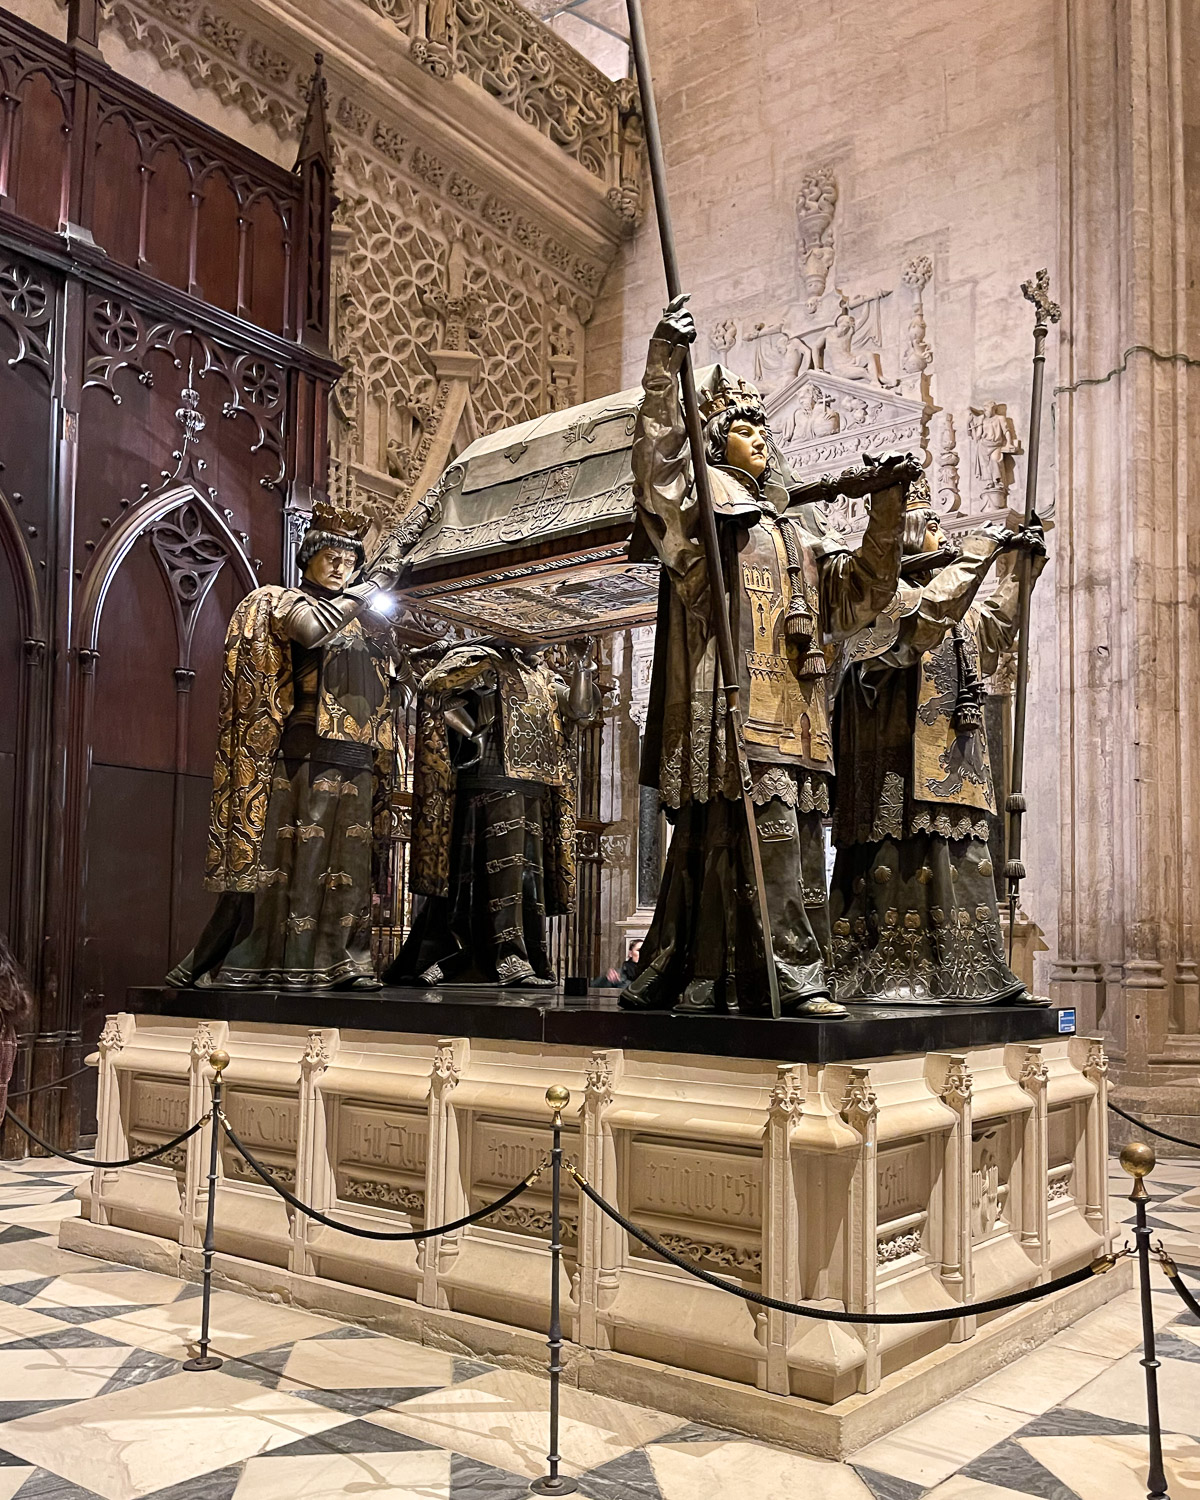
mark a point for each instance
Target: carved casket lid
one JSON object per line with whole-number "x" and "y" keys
{"x": 530, "y": 531}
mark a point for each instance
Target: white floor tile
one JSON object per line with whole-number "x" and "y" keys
{"x": 500, "y": 1419}
{"x": 1121, "y": 1393}
{"x": 719, "y": 1471}
{"x": 1041, "y": 1379}
{"x": 347, "y": 1364}
{"x": 931, "y": 1448}
{"x": 147, "y": 1437}
{"x": 423, "y": 1475}
{"x": 1110, "y": 1467}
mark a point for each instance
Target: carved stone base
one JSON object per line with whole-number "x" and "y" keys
{"x": 915, "y": 1181}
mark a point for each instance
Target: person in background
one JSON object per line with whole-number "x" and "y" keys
{"x": 16, "y": 1006}
{"x": 618, "y": 978}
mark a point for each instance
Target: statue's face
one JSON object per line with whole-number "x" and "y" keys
{"x": 746, "y": 448}
{"x": 331, "y": 568}
{"x": 935, "y": 537}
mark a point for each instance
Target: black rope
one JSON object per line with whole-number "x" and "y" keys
{"x": 87, "y": 1161}
{"x": 1141, "y": 1125}
{"x": 56, "y": 1084}
{"x": 828, "y": 1315}
{"x": 1177, "y": 1282}
{"x": 377, "y": 1234}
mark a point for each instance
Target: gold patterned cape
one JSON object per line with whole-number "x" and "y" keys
{"x": 256, "y": 698}
{"x": 536, "y": 746}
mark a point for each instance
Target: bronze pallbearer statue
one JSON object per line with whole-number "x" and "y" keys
{"x": 307, "y": 723}
{"x": 493, "y": 848}
{"x": 790, "y": 586}
{"x": 913, "y": 898}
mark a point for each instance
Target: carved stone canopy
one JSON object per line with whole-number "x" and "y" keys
{"x": 825, "y": 422}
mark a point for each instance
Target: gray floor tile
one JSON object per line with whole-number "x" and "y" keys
{"x": 1009, "y": 1466}
{"x": 887, "y": 1487}
{"x": 352, "y": 1437}
{"x": 629, "y": 1477}
{"x": 472, "y": 1480}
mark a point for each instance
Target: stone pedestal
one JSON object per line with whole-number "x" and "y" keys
{"x": 882, "y": 1183}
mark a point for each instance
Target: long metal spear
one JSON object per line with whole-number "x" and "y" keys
{"x": 708, "y": 523}
{"x": 1045, "y": 312}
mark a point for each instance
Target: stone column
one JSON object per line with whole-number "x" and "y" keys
{"x": 1128, "y": 424}
{"x": 780, "y": 1229}
{"x": 1028, "y": 1065}
{"x": 315, "y": 1181}
{"x": 110, "y": 1136}
{"x": 951, "y": 1080}
{"x": 445, "y": 1199}
{"x": 599, "y": 1238}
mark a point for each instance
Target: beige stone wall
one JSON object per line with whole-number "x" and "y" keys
{"x": 938, "y": 124}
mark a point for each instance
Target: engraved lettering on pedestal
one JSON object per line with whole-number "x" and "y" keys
{"x": 704, "y": 1204}
{"x": 381, "y": 1155}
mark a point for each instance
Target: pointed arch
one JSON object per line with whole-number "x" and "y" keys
{"x": 12, "y": 544}
{"x": 132, "y": 526}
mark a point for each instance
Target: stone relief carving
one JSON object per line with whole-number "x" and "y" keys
{"x": 987, "y": 1191}
{"x": 897, "y": 1246}
{"x": 385, "y": 1194}
{"x": 993, "y": 442}
{"x": 1059, "y": 1190}
{"x": 741, "y": 1259}
{"x": 946, "y": 494}
{"x": 815, "y": 205}
{"x": 918, "y": 356}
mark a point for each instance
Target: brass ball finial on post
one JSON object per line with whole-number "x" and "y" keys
{"x": 218, "y": 1061}
{"x": 554, "y": 1483}
{"x": 1138, "y": 1159}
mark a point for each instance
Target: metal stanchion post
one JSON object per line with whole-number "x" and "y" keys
{"x": 218, "y": 1061}
{"x": 555, "y": 1483}
{"x": 1138, "y": 1160}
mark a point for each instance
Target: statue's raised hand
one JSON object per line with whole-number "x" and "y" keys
{"x": 677, "y": 326}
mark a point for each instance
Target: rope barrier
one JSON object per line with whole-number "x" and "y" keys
{"x": 56, "y": 1084}
{"x": 1141, "y": 1125}
{"x": 87, "y": 1161}
{"x": 376, "y": 1234}
{"x": 829, "y": 1315}
{"x": 1176, "y": 1280}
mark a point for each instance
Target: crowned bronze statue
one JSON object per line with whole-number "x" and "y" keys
{"x": 913, "y": 895}
{"x": 306, "y": 730}
{"x": 791, "y": 585}
{"x": 493, "y": 845}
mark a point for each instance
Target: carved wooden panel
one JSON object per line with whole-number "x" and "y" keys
{"x": 145, "y": 465}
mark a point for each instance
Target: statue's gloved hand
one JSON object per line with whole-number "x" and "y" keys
{"x": 1031, "y": 539}
{"x": 677, "y": 326}
{"x": 1004, "y": 539}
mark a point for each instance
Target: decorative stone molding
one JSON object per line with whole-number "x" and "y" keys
{"x": 316, "y": 1054}
{"x": 956, "y": 1089}
{"x": 111, "y": 1039}
{"x": 203, "y": 1044}
{"x": 897, "y": 1246}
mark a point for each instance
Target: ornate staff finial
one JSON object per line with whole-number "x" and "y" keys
{"x": 1037, "y": 291}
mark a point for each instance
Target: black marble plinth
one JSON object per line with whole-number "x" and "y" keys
{"x": 596, "y": 1020}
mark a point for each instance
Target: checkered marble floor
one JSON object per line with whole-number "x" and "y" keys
{"x": 94, "y": 1402}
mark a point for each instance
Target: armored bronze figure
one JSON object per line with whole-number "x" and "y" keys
{"x": 306, "y": 732}
{"x": 493, "y": 846}
{"x": 790, "y": 587}
{"x": 913, "y": 894}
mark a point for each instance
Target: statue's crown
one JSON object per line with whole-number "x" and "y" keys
{"x": 919, "y": 496}
{"x": 340, "y": 520}
{"x": 728, "y": 392}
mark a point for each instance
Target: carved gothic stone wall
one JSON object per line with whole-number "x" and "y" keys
{"x": 858, "y": 194}
{"x": 486, "y": 173}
